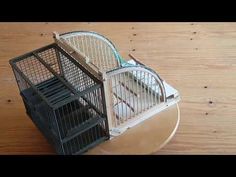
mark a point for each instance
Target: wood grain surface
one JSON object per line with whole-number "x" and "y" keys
{"x": 199, "y": 59}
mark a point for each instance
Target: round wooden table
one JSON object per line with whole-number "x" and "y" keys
{"x": 145, "y": 138}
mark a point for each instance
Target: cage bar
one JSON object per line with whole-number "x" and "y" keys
{"x": 59, "y": 96}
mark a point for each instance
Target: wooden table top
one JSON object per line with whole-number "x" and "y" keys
{"x": 198, "y": 59}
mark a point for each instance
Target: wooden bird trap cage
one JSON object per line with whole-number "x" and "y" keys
{"x": 80, "y": 92}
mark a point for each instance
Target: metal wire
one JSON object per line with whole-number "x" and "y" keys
{"x": 64, "y": 101}
{"x": 135, "y": 92}
{"x": 98, "y": 49}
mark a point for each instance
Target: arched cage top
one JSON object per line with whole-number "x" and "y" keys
{"x": 143, "y": 74}
{"x": 100, "y": 52}
{"x": 133, "y": 91}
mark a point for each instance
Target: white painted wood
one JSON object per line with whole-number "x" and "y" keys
{"x": 133, "y": 92}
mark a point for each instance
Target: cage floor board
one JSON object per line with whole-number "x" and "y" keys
{"x": 197, "y": 58}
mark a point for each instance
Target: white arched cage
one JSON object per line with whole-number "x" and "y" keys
{"x": 133, "y": 92}
{"x": 100, "y": 52}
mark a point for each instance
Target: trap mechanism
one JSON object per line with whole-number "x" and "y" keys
{"x": 80, "y": 92}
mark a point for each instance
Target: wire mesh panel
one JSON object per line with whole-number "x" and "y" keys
{"x": 75, "y": 75}
{"x": 99, "y": 50}
{"x": 62, "y": 99}
{"x": 134, "y": 91}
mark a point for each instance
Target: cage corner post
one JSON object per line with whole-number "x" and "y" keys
{"x": 108, "y": 100}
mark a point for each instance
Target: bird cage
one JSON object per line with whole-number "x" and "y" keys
{"x": 133, "y": 91}
{"x": 64, "y": 100}
{"x": 80, "y": 92}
